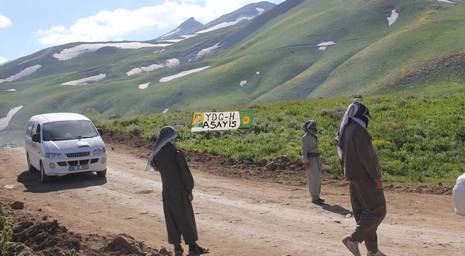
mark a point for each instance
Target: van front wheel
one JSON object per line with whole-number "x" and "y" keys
{"x": 29, "y": 165}
{"x": 43, "y": 177}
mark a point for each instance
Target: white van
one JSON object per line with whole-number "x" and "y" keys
{"x": 63, "y": 143}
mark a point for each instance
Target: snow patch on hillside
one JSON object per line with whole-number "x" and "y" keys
{"x": 23, "y": 73}
{"x": 6, "y": 120}
{"x": 243, "y": 83}
{"x": 446, "y": 1}
{"x": 136, "y": 71}
{"x": 171, "y": 63}
{"x": 260, "y": 11}
{"x": 144, "y": 86}
{"x": 324, "y": 45}
{"x": 168, "y": 63}
{"x": 8, "y": 90}
{"x": 188, "y": 36}
{"x": 86, "y": 80}
{"x": 174, "y": 40}
{"x": 224, "y": 25}
{"x": 182, "y": 74}
{"x": 208, "y": 50}
{"x": 73, "y": 52}
{"x": 393, "y": 18}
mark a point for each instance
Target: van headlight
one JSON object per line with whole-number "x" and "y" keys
{"x": 99, "y": 151}
{"x": 53, "y": 155}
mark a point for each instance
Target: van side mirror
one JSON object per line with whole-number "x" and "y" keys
{"x": 100, "y": 131}
{"x": 36, "y": 137}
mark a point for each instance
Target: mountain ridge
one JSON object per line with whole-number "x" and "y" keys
{"x": 296, "y": 50}
{"x": 189, "y": 26}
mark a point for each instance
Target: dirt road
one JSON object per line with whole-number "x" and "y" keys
{"x": 235, "y": 217}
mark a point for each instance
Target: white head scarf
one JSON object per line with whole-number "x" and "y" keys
{"x": 358, "y": 113}
{"x": 167, "y": 135}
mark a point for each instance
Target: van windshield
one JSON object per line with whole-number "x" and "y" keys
{"x": 69, "y": 130}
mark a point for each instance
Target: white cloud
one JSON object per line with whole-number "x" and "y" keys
{"x": 115, "y": 24}
{"x": 2, "y": 60}
{"x": 4, "y": 21}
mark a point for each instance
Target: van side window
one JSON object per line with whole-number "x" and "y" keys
{"x": 38, "y": 129}
{"x": 29, "y": 129}
{"x": 34, "y": 126}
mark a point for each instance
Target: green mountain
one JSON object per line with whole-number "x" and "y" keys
{"x": 189, "y": 26}
{"x": 295, "y": 50}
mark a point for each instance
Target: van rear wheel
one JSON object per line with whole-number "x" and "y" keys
{"x": 29, "y": 165}
{"x": 102, "y": 173}
{"x": 43, "y": 177}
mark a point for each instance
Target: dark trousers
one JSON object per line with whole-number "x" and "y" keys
{"x": 369, "y": 207}
{"x": 179, "y": 217}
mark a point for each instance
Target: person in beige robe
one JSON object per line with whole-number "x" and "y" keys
{"x": 312, "y": 162}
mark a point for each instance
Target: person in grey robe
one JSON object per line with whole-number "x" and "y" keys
{"x": 362, "y": 170}
{"x": 311, "y": 159}
{"x": 177, "y": 192}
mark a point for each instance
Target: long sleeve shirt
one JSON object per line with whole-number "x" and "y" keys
{"x": 309, "y": 147}
{"x": 360, "y": 159}
{"x": 174, "y": 171}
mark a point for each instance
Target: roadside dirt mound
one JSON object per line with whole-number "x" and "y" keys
{"x": 282, "y": 170}
{"x": 126, "y": 245}
{"x": 439, "y": 189}
{"x": 47, "y": 237}
{"x": 41, "y": 237}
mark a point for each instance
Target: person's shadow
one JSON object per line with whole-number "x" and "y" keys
{"x": 31, "y": 181}
{"x": 335, "y": 208}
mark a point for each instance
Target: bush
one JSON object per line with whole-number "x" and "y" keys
{"x": 5, "y": 231}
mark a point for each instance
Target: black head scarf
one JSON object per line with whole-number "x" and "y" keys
{"x": 167, "y": 135}
{"x": 310, "y": 127}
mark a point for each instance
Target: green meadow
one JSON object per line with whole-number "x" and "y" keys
{"x": 420, "y": 138}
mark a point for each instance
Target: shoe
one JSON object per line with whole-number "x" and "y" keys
{"x": 178, "y": 251}
{"x": 378, "y": 253}
{"x": 352, "y": 246}
{"x": 197, "y": 250}
{"x": 318, "y": 201}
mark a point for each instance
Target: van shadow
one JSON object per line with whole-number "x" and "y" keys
{"x": 336, "y": 209}
{"x": 31, "y": 181}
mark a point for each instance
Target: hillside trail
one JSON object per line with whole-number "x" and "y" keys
{"x": 234, "y": 216}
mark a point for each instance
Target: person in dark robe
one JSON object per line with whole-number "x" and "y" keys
{"x": 361, "y": 169}
{"x": 178, "y": 184}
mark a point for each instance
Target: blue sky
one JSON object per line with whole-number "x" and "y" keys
{"x": 27, "y": 26}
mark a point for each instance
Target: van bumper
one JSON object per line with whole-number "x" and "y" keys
{"x": 62, "y": 167}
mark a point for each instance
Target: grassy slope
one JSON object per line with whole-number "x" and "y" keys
{"x": 369, "y": 55}
{"x": 419, "y": 138}
{"x": 432, "y": 34}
